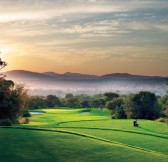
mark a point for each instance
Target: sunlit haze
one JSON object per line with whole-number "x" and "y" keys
{"x": 85, "y": 36}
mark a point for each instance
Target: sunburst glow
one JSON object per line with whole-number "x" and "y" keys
{"x": 94, "y": 37}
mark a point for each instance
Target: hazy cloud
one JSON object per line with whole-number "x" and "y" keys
{"x": 99, "y": 31}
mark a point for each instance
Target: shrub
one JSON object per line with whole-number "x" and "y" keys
{"x": 5, "y": 122}
{"x": 162, "y": 120}
{"x": 24, "y": 121}
{"x": 120, "y": 113}
{"x": 26, "y": 114}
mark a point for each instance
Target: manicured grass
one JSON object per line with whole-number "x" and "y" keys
{"x": 28, "y": 145}
{"x": 144, "y": 125}
{"x": 69, "y": 135}
{"x": 54, "y": 117}
{"x": 147, "y": 142}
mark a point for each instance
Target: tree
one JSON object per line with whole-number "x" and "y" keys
{"x": 2, "y": 64}
{"x": 13, "y": 98}
{"x": 163, "y": 101}
{"x": 69, "y": 95}
{"x": 143, "y": 105}
{"x": 85, "y": 104}
{"x": 117, "y": 108}
{"x": 116, "y": 102}
{"x": 110, "y": 96}
{"x": 98, "y": 103}
{"x": 119, "y": 113}
{"x": 36, "y": 102}
{"x": 72, "y": 102}
{"x": 52, "y": 101}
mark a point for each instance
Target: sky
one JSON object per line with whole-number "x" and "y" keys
{"x": 85, "y": 36}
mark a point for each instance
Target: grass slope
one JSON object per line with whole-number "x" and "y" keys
{"x": 69, "y": 135}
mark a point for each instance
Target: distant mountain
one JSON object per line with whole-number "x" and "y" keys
{"x": 71, "y": 76}
{"x": 60, "y": 84}
{"x": 129, "y": 76}
{"x": 25, "y": 75}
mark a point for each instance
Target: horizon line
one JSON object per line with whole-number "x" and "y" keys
{"x": 84, "y": 73}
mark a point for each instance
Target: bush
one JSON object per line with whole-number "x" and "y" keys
{"x": 162, "y": 120}
{"x": 24, "y": 121}
{"x": 5, "y": 122}
{"x": 26, "y": 114}
{"x": 120, "y": 113}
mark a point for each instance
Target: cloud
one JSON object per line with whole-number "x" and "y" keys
{"x": 97, "y": 31}
{"x": 31, "y": 10}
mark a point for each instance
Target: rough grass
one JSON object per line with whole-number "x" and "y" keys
{"x": 67, "y": 135}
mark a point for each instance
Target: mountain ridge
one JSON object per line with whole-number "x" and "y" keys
{"x": 76, "y": 83}
{"x": 70, "y": 75}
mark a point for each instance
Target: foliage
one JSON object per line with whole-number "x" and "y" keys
{"x": 69, "y": 95}
{"x": 163, "y": 102}
{"x": 119, "y": 113}
{"x": 13, "y": 100}
{"x": 26, "y": 113}
{"x": 98, "y": 103}
{"x": 72, "y": 102}
{"x": 2, "y": 65}
{"x": 52, "y": 101}
{"x": 36, "y": 102}
{"x": 85, "y": 104}
{"x": 110, "y": 96}
{"x": 5, "y": 122}
{"x": 117, "y": 108}
{"x": 142, "y": 106}
{"x": 116, "y": 102}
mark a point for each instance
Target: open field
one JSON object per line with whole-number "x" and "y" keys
{"x": 69, "y": 135}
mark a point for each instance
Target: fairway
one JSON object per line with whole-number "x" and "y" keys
{"x": 73, "y": 136}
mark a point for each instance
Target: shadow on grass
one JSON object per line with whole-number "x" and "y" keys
{"x": 90, "y": 137}
{"x": 150, "y": 130}
{"x": 121, "y": 130}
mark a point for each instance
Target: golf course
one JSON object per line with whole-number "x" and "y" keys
{"x": 77, "y": 135}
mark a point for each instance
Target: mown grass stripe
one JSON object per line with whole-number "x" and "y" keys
{"x": 120, "y": 130}
{"x": 91, "y": 137}
{"x": 80, "y": 121}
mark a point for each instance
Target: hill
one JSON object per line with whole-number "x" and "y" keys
{"x": 60, "y": 84}
{"x": 71, "y": 76}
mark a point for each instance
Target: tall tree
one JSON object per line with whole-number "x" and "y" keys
{"x": 52, "y": 101}
{"x": 110, "y": 96}
{"x": 12, "y": 98}
{"x": 143, "y": 106}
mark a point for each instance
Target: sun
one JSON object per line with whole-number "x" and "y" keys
{"x": 7, "y": 50}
